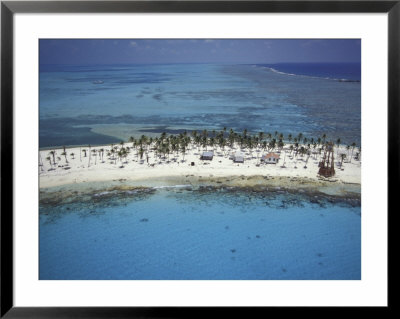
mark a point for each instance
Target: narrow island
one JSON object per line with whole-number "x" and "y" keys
{"x": 264, "y": 161}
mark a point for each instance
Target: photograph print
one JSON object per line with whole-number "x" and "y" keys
{"x": 199, "y": 159}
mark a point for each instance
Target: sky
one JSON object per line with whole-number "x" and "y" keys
{"x": 145, "y": 51}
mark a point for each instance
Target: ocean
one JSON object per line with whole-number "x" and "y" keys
{"x": 181, "y": 233}
{"x": 102, "y": 104}
{"x": 185, "y": 233}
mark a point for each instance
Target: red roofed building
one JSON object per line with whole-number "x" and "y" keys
{"x": 270, "y": 158}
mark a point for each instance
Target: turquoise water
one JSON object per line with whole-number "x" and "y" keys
{"x": 350, "y": 72}
{"x": 204, "y": 234}
{"x": 132, "y": 100}
{"x": 198, "y": 234}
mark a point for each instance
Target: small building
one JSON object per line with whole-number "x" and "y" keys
{"x": 270, "y": 158}
{"x": 238, "y": 157}
{"x": 207, "y": 156}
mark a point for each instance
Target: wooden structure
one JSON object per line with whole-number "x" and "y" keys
{"x": 270, "y": 158}
{"x": 207, "y": 156}
{"x": 326, "y": 166}
{"x": 238, "y": 157}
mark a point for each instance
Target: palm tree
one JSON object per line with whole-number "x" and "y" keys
{"x": 221, "y": 142}
{"x": 95, "y": 156}
{"x": 204, "y": 138}
{"x": 264, "y": 145}
{"x": 315, "y": 152}
{"x": 65, "y": 154}
{"x": 120, "y": 155}
{"x": 40, "y": 162}
{"x": 53, "y": 153}
{"x": 302, "y": 151}
{"x": 204, "y": 142}
{"x": 353, "y": 145}
{"x": 174, "y": 147}
{"x": 280, "y": 144}
{"x": 132, "y": 140}
{"x": 272, "y": 144}
{"x": 89, "y": 156}
{"x": 323, "y": 138}
{"x": 308, "y": 156}
{"x": 299, "y": 137}
{"x": 141, "y": 152}
{"x": 338, "y": 145}
{"x": 212, "y": 142}
{"x": 113, "y": 155}
{"x": 260, "y": 136}
{"x": 197, "y": 140}
{"x": 342, "y": 156}
{"x": 338, "y": 142}
{"x": 231, "y": 138}
{"x": 296, "y": 147}
{"x": 49, "y": 159}
{"x": 183, "y": 149}
{"x": 124, "y": 152}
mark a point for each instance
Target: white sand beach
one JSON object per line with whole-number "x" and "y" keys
{"x": 153, "y": 168}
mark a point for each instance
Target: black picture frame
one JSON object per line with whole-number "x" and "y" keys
{"x": 9, "y": 8}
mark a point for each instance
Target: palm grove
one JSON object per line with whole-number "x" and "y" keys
{"x": 163, "y": 146}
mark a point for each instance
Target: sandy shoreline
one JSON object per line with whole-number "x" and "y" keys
{"x": 177, "y": 170}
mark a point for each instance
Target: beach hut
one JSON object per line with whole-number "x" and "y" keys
{"x": 207, "y": 156}
{"x": 270, "y": 158}
{"x": 238, "y": 157}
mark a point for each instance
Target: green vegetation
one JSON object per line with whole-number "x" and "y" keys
{"x": 226, "y": 140}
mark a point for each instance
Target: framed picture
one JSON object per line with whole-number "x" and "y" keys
{"x": 175, "y": 158}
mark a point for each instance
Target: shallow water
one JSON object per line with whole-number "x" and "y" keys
{"x": 205, "y": 234}
{"x": 145, "y": 99}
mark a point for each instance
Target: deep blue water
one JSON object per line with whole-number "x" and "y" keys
{"x": 200, "y": 234}
{"x": 132, "y": 100}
